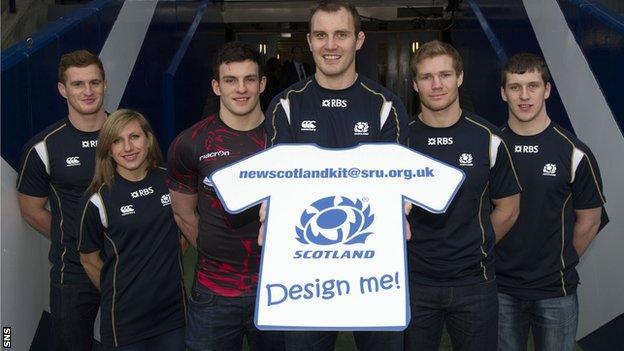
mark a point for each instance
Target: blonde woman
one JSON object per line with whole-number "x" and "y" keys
{"x": 129, "y": 242}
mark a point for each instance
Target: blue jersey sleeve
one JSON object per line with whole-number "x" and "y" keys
{"x": 503, "y": 178}
{"x": 587, "y": 185}
{"x": 395, "y": 129}
{"x": 277, "y": 123}
{"x": 33, "y": 178}
{"x": 91, "y": 229}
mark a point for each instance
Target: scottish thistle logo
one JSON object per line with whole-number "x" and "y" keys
{"x": 465, "y": 159}
{"x": 550, "y": 169}
{"x": 335, "y": 219}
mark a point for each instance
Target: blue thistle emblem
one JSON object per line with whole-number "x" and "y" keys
{"x": 333, "y": 220}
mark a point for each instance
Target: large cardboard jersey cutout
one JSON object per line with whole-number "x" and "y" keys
{"x": 334, "y": 255}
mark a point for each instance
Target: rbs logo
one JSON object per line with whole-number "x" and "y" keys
{"x": 440, "y": 141}
{"x": 89, "y": 143}
{"x": 526, "y": 149}
{"x": 334, "y": 103}
{"x": 141, "y": 192}
{"x": 335, "y": 219}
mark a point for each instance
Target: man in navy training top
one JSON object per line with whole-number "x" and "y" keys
{"x": 57, "y": 165}
{"x": 337, "y": 108}
{"x": 451, "y": 273}
{"x": 561, "y": 213}
{"x": 222, "y": 302}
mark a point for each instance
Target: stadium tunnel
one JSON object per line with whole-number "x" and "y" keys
{"x": 157, "y": 56}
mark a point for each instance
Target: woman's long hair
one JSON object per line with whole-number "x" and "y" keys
{"x": 104, "y": 164}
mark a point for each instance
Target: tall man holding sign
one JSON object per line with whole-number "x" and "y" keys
{"x": 337, "y": 108}
{"x": 452, "y": 278}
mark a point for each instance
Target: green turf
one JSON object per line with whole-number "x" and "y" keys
{"x": 345, "y": 339}
{"x": 188, "y": 265}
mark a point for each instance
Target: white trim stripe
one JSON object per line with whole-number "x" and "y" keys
{"x": 495, "y": 142}
{"x": 42, "y": 151}
{"x": 577, "y": 157}
{"x": 385, "y": 113}
{"x": 96, "y": 200}
{"x": 286, "y": 106}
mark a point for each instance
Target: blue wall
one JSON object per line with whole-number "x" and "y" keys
{"x": 187, "y": 82}
{"x": 29, "y": 73}
{"x": 603, "y": 46}
{"x": 144, "y": 91}
{"x": 509, "y": 23}
{"x": 30, "y": 98}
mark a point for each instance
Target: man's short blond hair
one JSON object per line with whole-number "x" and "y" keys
{"x": 433, "y": 49}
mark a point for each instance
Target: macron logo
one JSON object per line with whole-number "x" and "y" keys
{"x": 127, "y": 210}
{"x": 73, "y": 161}
{"x": 220, "y": 153}
{"x": 308, "y": 125}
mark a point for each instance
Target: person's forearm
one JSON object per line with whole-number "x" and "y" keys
{"x": 584, "y": 233}
{"x": 40, "y": 220}
{"x": 188, "y": 224}
{"x": 502, "y": 221}
{"x": 93, "y": 270}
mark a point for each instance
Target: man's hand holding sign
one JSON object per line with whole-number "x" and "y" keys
{"x": 334, "y": 230}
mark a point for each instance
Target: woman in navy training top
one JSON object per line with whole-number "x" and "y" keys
{"x": 128, "y": 240}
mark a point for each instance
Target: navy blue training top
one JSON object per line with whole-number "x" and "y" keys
{"x": 58, "y": 163}
{"x": 132, "y": 225}
{"x": 558, "y": 173}
{"x": 363, "y": 112}
{"x": 456, "y": 248}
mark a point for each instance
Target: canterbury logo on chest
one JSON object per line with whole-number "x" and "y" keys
{"x": 127, "y": 210}
{"x": 72, "y": 161}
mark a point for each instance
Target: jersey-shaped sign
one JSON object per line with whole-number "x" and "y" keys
{"x": 334, "y": 253}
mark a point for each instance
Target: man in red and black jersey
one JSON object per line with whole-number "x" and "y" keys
{"x": 222, "y": 302}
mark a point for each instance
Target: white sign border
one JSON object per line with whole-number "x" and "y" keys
{"x": 404, "y": 243}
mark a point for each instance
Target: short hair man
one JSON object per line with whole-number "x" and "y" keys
{"x": 57, "y": 165}
{"x": 560, "y": 214}
{"x": 337, "y": 108}
{"x": 221, "y": 306}
{"x": 295, "y": 70}
{"x": 452, "y": 278}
